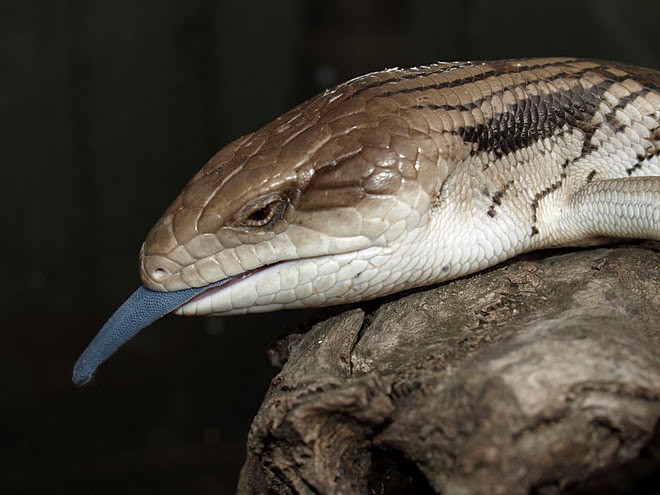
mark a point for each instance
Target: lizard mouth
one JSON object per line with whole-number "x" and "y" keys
{"x": 216, "y": 287}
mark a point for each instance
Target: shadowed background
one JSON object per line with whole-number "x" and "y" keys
{"x": 107, "y": 109}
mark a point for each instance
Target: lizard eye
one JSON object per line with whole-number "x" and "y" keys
{"x": 262, "y": 212}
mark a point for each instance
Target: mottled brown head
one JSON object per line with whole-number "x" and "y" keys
{"x": 322, "y": 179}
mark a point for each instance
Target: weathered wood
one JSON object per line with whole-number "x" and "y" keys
{"x": 534, "y": 375}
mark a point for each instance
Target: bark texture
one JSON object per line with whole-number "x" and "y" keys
{"x": 538, "y": 376}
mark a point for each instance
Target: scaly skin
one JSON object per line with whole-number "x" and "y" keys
{"x": 404, "y": 178}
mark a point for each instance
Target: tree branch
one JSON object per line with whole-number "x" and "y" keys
{"x": 537, "y": 374}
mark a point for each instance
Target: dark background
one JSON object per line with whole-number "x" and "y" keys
{"x": 107, "y": 108}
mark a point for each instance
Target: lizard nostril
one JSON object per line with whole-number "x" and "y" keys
{"x": 157, "y": 271}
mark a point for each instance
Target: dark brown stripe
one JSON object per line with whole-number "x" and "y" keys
{"x": 496, "y": 199}
{"x": 611, "y": 117}
{"x": 491, "y": 69}
{"x": 542, "y": 194}
{"x": 534, "y": 118}
{"x": 588, "y": 147}
{"x": 642, "y": 160}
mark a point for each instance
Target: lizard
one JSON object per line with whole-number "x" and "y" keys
{"x": 399, "y": 179}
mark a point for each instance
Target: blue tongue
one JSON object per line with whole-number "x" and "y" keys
{"x": 139, "y": 311}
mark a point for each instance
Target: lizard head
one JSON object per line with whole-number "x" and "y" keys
{"x": 301, "y": 213}
{"x": 325, "y": 205}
